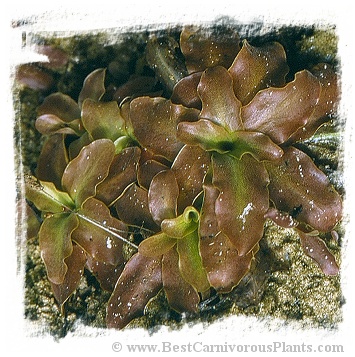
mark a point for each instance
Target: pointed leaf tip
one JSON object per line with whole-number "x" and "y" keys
{"x": 140, "y": 280}
{"x": 315, "y": 247}
{"x": 280, "y": 112}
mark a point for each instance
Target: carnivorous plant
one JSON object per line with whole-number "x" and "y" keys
{"x": 186, "y": 175}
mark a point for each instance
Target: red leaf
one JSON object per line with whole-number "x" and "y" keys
{"x": 106, "y": 274}
{"x": 327, "y": 104}
{"x": 132, "y": 208}
{"x": 280, "y": 112}
{"x": 93, "y": 86}
{"x": 205, "y": 47}
{"x": 256, "y": 68}
{"x": 122, "y": 172}
{"x": 60, "y": 105}
{"x": 185, "y": 91}
{"x": 147, "y": 171}
{"x": 97, "y": 232}
{"x": 190, "y": 168}
{"x": 224, "y": 266}
{"x": 154, "y": 122}
{"x": 140, "y": 280}
{"x": 315, "y": 248}
{"x": 299, "y": 188}
{"x": 162, "y": 196}
{"x": 88, "y": 169}
{"x": 282, "y": 219}
{"x": 53, "y": 160}
{"x": 219, "y": 104}
{"x": 75, "y": 263}
{"x": 181, "y": 296}
{"x": 243, "y": 199}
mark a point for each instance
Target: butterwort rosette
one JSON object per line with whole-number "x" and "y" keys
{"x": 249, "y": 119}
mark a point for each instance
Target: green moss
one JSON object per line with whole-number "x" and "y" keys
{"x": 321, "y": 44}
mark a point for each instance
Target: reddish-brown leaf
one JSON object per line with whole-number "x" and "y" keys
{"x": 93, "y": 86}
{"x": 147, "y": 170}
{"x": 257, "y": 144}
{"x": 315, "y": 248}
{"x": 135, "y": 86}
{"x": 299, "y": 188}
{"x": 256, "y": 68}
{"x": 185, "y": 91}
{"x": 34, "y": 77}
{"x": 99, "y": 233}
{"x": 190, "y": 168}
{"x": 75, "y": 263}
{"x": 243, "y": 199}
{"x": 140, "y": 280}
{"x": 154, "y": 122}
{"x": 106, "y": 274}
{"x": 205, "y": 47}
{"x": 280, "y": 112}
{"x": 87, "y": 170}
{"x": 181, "y": 296}
{"x": 224, "y": 266}
{"x": 208, "y": 227}
{"x": 282, "y": 219}
{"x": 219, "y": 103}
{"x": 60, "y": 105}
{"x": 162, "y": 196}
{"x": 132, "y": 208}
{"x": 327, "y": 104}
{"x": 123, "y": 172}
{"x": 48, "y": 124}
{"x": 52, "y": 160}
